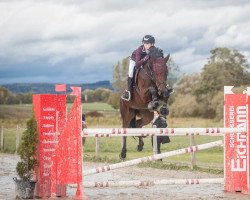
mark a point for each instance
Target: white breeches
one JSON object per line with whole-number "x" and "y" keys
{"x": 131, "y": 68}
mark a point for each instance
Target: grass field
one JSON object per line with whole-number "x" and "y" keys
{"x": 110, "y": 147}
{"x": 209, "y": 158}
{"x": 97, "y": 107}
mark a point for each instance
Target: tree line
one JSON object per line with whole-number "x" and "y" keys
{"x": 203, "y": 94}
{"x": 88, "y": 95}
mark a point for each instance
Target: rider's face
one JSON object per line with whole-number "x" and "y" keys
{"x": 147, "y": 45}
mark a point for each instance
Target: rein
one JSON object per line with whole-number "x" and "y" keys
{"x": 152, "y": 77}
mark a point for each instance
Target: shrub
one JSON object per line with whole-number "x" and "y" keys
{"x": 184, "y": 106}
{"x": 94, "y": 114}
{"x": 217, "y": 104}
{"x": 27, "y": 151}
{"x": 114, "y": 100}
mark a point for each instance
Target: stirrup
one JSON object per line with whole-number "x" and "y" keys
{"x": 129, "y": 95}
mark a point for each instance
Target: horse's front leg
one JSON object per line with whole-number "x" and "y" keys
{"x": 166, "y": 94}
{"x": 154, "y": 104}
{"x": 124, "y": 149}
{"x": 141, "y": 144}
{"x": 153, "y": 93}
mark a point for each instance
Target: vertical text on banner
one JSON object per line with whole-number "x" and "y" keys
{"x": 50, "y": 112}
{"x": 235, "y": 160}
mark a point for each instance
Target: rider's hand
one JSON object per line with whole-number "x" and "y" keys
{"x": 145, "y": 58}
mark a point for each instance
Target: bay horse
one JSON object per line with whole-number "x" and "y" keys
{"x": 148, "y": 92}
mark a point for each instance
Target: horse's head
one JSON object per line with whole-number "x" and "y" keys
{"x": 160, "y": 70}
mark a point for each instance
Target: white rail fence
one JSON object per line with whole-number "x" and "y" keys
{"x": 6, "y": 137}
{"x": 98, "y": 133}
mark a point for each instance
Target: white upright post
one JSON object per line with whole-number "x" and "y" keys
{"x": 1, "y": 137}
{"x": 17, "y": 138}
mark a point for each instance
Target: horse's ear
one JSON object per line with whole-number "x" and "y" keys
{"x": 167, "y": 58}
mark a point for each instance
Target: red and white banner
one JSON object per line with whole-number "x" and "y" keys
{"x": 235, "y": 160}
{"x": 50, "y": 112}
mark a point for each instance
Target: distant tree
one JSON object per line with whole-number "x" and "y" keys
{"x": 24, "y": 98}
{"x": 98, "y": 95}
{"x": 114, "y": 100}
{"x": 225, "y": 67}
{"x": 187, "y": 84}
{"x": 11, "y": 99}
{"x": 185, "y": 105}
{"x": 4, "y": 94}
{"x": 120, "y": 71}
{"x": 173, "y": 72}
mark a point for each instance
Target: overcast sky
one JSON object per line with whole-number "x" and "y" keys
{"x": 79, "y": 41}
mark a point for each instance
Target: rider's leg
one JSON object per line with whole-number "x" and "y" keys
{"x": 127, "y": 95}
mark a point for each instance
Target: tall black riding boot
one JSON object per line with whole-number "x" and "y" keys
{"x": 130, "y": 86}
{"x": 127, "y": 95}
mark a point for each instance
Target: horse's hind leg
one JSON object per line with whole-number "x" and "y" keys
{"x": 146, "y": 118}
{"x": 141, "y": 144}
{"x": 124, "y": 139}
{"x": 127, "y": 116}
{"x": 133, "y": 124}
{"x": 124, "y": 148}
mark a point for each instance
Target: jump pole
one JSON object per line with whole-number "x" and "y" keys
{"x": 138, "y": 183}
{"x": 151, "y": 158}
{"x": 118, "y": 132}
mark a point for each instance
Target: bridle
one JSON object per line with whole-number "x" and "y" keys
{"x": 152, "y": 75}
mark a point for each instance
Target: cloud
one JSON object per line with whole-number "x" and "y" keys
{"x": 80, "y": 41}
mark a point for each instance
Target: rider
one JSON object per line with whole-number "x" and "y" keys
{"x": 138, "y": 58}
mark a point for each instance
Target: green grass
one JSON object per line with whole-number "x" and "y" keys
{"x": 111, "y": 147}
{"x": 15, "y": 112}
{"x": 97, "y": 107}
{"x": 9, "y": 141}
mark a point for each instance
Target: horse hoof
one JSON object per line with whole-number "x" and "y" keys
{"x": 122, "y": 155}
{"x": 164, "y": 111}
{"x": 153, "y": 105}
{"x": 156, "y": 104}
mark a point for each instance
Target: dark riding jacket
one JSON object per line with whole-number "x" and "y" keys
{"x": 138, "y": 56}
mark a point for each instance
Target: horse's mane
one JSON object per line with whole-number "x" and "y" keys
{"x": 155, "y": 52}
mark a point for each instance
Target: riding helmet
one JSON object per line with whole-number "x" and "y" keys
{"x": 148, "y": 39}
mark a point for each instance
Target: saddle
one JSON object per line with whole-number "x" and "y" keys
{"x": 136, "y": 73}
